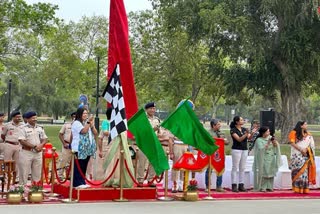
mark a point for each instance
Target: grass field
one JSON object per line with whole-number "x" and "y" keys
{"x": 52, "y": 132}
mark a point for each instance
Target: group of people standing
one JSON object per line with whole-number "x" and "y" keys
{"x": 258, "y": 142}
{"x": 267, "y": 156}
{"x": 23, "y": 142}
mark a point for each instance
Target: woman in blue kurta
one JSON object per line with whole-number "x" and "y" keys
{"x": 83, "y": 144}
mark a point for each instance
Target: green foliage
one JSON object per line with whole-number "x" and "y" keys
{"x": 50, "y": 63}
{"x": 36, "y": 186}
{"x": 272, "y": 46}
{"x": 16, "y": 189}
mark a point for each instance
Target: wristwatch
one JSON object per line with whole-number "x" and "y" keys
{"x": 88, "y": 122}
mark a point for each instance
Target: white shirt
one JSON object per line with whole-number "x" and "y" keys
{"x": 76, "y": 128}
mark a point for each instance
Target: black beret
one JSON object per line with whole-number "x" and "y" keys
{"x": 15, "y": 113}
{"x": 1, "y": 114}
{"x": 73, "y": 113}
{"x": 30, "y": 114}
{"x": 149, "y": 105}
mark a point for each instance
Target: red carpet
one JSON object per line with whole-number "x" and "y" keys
{"x": 101, "y": 193}
{"x": 250, "y": 195}
{"x": 148, "y": 193}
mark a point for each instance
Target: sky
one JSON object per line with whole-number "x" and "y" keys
{"x": 73, "y": 10}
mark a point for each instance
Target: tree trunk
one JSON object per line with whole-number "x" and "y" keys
{"x": 291, "y": 111}
{"x": 291, "y": 101}
{"x": 215, "y": 100}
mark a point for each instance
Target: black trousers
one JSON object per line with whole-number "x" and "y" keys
{"x": 77, "y": 178}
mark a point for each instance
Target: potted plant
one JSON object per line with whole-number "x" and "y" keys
{"x": 191, "y": 194}
{"x": 35, "y": 194}
{"x": 15, "y": 194}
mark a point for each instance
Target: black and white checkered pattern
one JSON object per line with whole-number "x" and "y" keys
{"x": 113, "y": 94}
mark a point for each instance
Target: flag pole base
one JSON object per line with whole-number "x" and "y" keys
{"x": 165, "y": 198}
{"x": 208, "y": 198}
{"x": 69, "y": 201}
{"x": 121, "y": 200}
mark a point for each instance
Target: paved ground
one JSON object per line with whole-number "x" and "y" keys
{"x": 217, "y": 207}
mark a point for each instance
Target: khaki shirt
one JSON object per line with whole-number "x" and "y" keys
{"x": 66, "y": 131}
{"x": 12, "y": 131}
{"x": 33, "y": 135}
{"x": 154, "y": 121}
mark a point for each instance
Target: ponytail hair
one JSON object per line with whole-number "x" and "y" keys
{"x": 234, "y": 122}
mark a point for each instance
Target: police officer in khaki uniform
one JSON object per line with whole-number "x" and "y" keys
{"x": 179, "y": 148}
{"x": 165, "y": 140}
{"x": 10, "y": 134}
{"x": 65, "y": 138}
{"x": 32, "y": 139}
{"x": 1, "y": 140}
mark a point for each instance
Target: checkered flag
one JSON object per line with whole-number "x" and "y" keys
{"x": 113, "y": 94}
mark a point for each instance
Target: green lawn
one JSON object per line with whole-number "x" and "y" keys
{"x": 52, "y": 131}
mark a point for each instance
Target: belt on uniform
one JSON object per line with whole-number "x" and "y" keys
{"x": 26, "y": 148}
{"x": 180, "y": 144}
{"x": 164, "y": 144}
{"x": 13, "y": 143}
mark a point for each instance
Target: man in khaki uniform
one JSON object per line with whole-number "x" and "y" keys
{"x": 32, "y": 138}
{"x": 165, "y": 140}
{"x": 1, "y": 141}
{"x": 10, "y": 134}
{"x": 65, "y": 138}
{"x": 179, "y": 148}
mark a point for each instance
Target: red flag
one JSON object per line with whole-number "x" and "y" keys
{"x": 119, "y": 53}
{"x": 217, "y": 158}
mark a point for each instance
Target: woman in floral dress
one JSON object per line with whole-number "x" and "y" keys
{"x": 302, "y": 158}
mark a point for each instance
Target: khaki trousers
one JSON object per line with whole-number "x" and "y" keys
{"x": 65, "y": 159}
{"x": 11, "y": 152}
{"x": 141, "y": 166}
{"x": 29, "y": 160}
{"x": 178, "y": 151}
{"x": 100, "y": 173}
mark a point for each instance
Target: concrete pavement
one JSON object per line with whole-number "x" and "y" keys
{"x": 282, "y": 206}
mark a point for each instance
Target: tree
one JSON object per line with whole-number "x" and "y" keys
{"x": 271, "y": 44}
{"x": 167, "y": 68}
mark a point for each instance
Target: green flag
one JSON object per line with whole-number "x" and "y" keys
{"x": 185, "y": 125}
{"x": 148, "y": 142}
